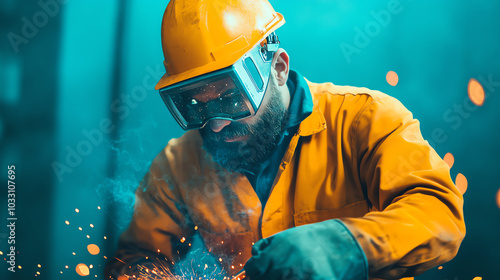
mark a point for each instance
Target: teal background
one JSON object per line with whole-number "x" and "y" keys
{"x": 82, "y": 80}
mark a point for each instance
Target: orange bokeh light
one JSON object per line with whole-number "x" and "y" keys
{"x": 392, "y": 78}
{"x": 461, "y": 183}
{"x": 498, "y": 198}
{"x": 478, "y": 278}
{"x": 449, "y": 159}
{"x": 122, "y": 277}
{"x": 476, "y": 92}
{"x": 82, "y": 269}
{"x": 93, "y": 249}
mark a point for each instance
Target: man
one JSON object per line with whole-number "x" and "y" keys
{"x": 281, "y": 176}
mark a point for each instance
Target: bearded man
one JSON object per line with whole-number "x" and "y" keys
{"x": 279, "y": 175}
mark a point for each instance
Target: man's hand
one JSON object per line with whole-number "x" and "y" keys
{"x": 325, "y": 250}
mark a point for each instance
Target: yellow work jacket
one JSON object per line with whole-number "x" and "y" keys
{"x": 359, "y": 157}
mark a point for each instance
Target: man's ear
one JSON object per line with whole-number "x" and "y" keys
{"x": 281, "y": 64}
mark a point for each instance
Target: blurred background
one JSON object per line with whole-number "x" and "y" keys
{"x": 81, "y": 121}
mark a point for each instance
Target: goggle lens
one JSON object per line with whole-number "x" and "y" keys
{"x": 217, "y": 99}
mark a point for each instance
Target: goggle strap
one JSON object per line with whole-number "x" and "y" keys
{"x": 269, "y": 46}
{"x": 272, "y": 42}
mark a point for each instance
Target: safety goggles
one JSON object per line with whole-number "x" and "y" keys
{"x": 232, "y": 93}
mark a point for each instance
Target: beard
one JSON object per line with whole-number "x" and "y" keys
{"x": 263, "y": 137}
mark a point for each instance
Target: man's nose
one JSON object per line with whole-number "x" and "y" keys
{"x": 217, "y": 125}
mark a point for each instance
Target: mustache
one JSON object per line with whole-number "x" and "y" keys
{"x": 234, "y": 129}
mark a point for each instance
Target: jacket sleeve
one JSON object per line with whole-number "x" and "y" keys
{"x": 157, "y": 226}
{"x": 416, "y": 220}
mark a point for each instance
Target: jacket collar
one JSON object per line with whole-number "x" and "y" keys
{"x": 315, "y": 122}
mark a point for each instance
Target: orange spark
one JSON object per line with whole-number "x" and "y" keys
{"x": 74, "y": 254}
{"x": 461, "y": 183}
{"x": 80, "y": 228}
{"x": 66, "y": 222}
{"x": 93, "y": 249}
{"x": 88, "y": 236}
{"x": 20, "y": 267}
{"x": 392, "y": 78}
{"x": 82, "y": 269}
{"x": 122, "y": 277}
{"x": 440, "y": 267}
{"x": 478, "y": 278}
{"x": 195, "y": 227}
{"x": 476, "y": 92}
{"x": 91, "y": 225}
{"x": 77, "y": 210}
{"x": 183, "y": 239}
{"x": 449, "y": 159}
{"x": 66, "y": 266}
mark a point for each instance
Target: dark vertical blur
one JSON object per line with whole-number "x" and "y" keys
{"x": 28, "y": 101}
{"x": 116, "y": 88}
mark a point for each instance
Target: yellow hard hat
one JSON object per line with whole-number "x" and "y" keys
{"x": 201, "y": 36}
